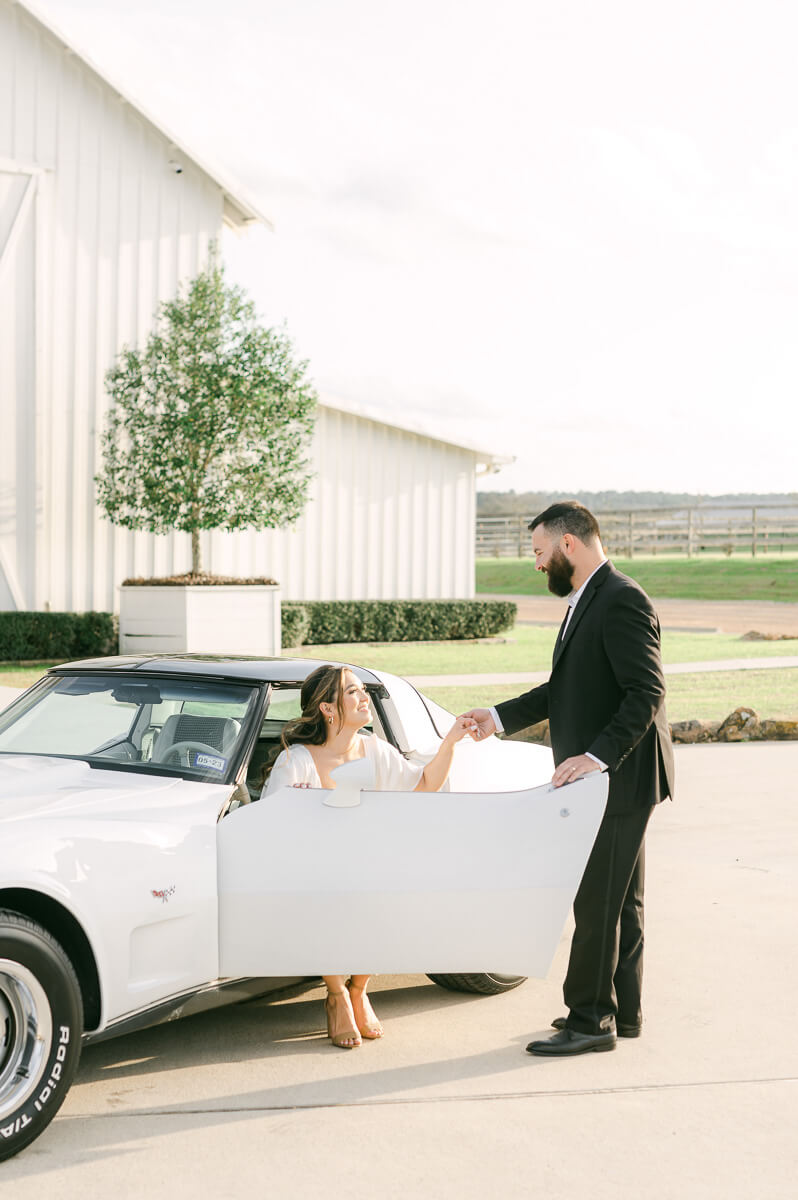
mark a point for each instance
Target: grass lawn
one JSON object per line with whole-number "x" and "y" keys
{"x": 705, "y": 697}
{"x": 708, "y": 695}
{"x": 712, "y": 577}
{"x": 526, "y": 648}
{"x": 14, "y": 675}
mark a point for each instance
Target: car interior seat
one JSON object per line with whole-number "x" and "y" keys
{"x": 219, "y": 733}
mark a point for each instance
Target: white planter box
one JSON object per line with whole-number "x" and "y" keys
{"x": 230, "y": 619}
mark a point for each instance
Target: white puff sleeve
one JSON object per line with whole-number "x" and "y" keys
{"x": 393, "y": 772}
{"x": 294, "y": 765}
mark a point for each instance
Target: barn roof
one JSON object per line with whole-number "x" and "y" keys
{"x": 420, "y": 424}
{"x": 239, "y": 209}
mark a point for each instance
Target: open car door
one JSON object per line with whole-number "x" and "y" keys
{"x": 317, "y": 882}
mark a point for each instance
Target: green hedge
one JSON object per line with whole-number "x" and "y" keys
{"x": 295, "y": 624}
{"x": 398, "y": 620}
{"x": 42, "y": 636}
{"x": 48, "y": 636}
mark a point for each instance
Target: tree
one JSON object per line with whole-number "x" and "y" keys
{"x": 210, "y": 423}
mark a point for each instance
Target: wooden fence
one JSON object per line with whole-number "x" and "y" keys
{"x": 747, "y": 529}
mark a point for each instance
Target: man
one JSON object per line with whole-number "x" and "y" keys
{"x": 605, "y": 705}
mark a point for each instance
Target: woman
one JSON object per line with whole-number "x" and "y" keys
{"x": 335, "y": 707}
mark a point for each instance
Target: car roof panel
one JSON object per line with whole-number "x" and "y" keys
{"x": 234, "y": 667}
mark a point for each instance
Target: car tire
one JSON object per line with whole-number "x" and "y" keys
{"x": 483, "y": 985}
{"x": 41, "y": 1023}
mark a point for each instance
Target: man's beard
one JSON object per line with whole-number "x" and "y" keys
{"x": 560, "y": 574}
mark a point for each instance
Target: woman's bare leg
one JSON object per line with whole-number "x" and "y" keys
{"x": 365, "y": 1016}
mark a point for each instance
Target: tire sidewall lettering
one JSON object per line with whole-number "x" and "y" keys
{"x": 53, "y": 1074}
{"x": 23, "y": 942}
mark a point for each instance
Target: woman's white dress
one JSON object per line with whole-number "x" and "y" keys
{"x": 390, "y": 772}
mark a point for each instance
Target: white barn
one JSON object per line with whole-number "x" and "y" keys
{"x": 102, "y": 214}
{"x": 391, "y": 515}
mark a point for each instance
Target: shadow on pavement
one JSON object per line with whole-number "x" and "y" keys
{"x": 258, "y": 1030}
{"x": 264, "y": 1028}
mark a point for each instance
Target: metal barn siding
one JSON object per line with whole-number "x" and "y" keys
{"x": 96, "y": 230}
{"x": 391, "y": 516}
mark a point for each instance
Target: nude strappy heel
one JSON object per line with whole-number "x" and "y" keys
{"x": 341, "y": 1028}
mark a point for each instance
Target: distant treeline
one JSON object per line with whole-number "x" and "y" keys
{"x": 505, "y": 504}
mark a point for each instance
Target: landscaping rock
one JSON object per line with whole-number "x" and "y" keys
{"x": 742, "y": 725}
{"x": 754, "y": 635}
{"x": 688, "y": 732}
{"x": 781, "y": 731}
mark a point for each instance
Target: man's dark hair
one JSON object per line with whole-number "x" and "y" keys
{"x": 568, "y": 516}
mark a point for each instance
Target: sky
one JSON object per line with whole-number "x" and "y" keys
{"x": 563, "y": 229}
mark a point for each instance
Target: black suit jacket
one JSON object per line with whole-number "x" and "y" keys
{"x": 606, "y": 692}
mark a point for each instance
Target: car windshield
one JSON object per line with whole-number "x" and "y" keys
{"x": 186, "y": 727}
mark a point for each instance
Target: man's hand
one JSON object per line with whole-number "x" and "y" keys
{"x": 481, "y": 725}
{"x": 573, "y": 768}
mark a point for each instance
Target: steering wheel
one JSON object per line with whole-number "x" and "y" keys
{"x": 178, "y": 748}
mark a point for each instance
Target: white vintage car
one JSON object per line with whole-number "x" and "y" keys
{"x": 139, "y": 881}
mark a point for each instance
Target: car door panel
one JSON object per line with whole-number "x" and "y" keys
{"x": 331, "y": 882}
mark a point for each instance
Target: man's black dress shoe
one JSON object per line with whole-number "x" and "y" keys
{"x": 621, "y": 1030}
{"x": 568, "y": 1041}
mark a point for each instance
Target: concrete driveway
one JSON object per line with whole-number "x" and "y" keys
{"x": 254, "y": 1101}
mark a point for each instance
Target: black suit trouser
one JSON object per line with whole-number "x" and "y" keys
{"x": 605, "y": 969}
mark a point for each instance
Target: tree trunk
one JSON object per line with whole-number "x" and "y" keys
{"x": 196, "y": 552}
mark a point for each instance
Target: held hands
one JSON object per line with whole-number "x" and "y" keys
{"x": 480, "y": 723}
{"x": 462, "y": 726}
{"x": 573, "y": 768}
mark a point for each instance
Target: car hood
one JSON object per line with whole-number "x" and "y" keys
{"x": 33, "y": 785}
